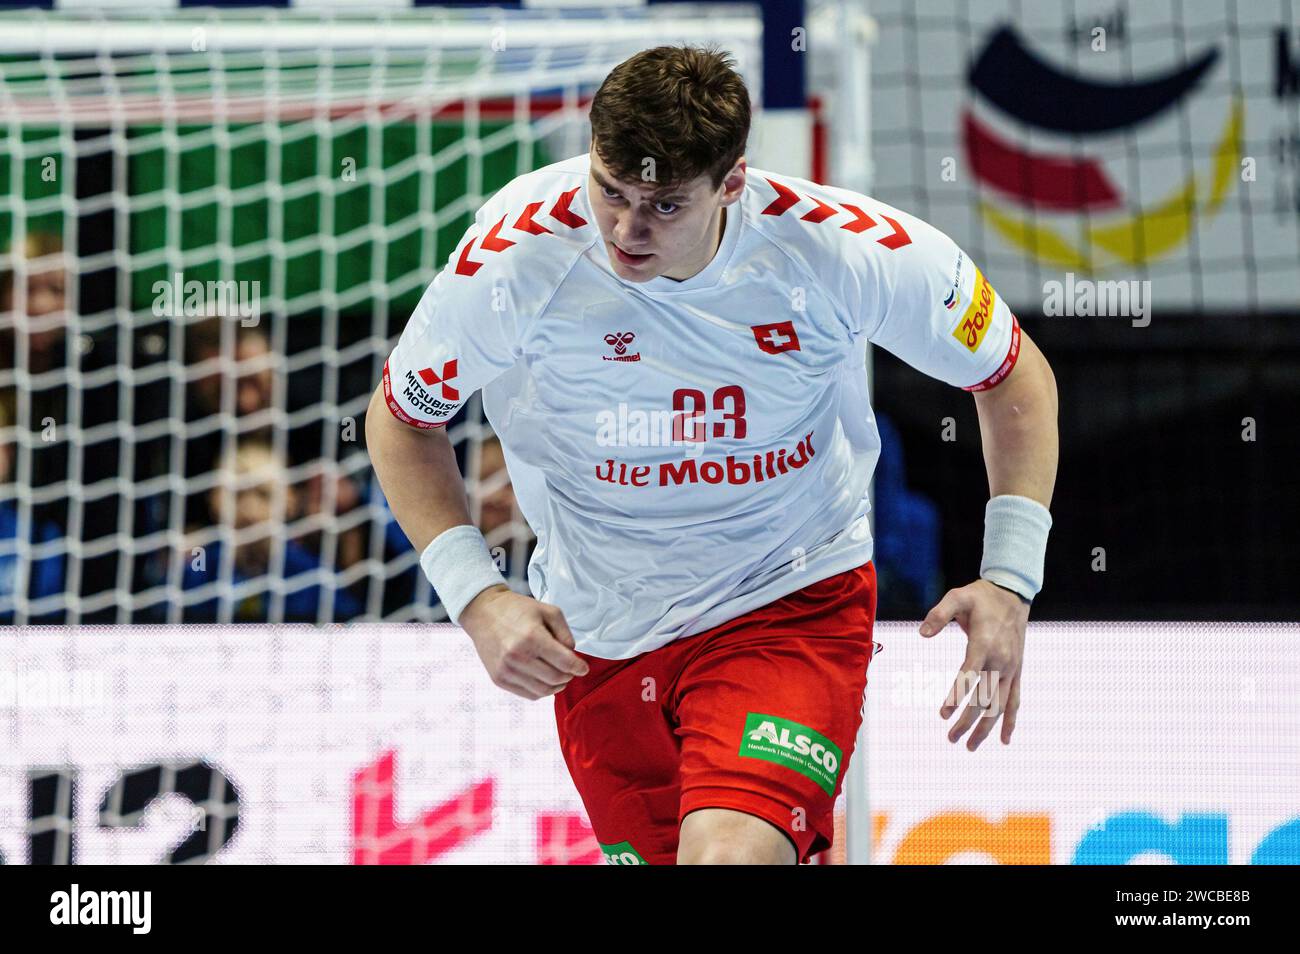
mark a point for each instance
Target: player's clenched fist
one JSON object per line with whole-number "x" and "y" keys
{"x": 525, "y": 645}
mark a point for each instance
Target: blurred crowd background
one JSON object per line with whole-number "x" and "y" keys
{"x": 231, "y": 468}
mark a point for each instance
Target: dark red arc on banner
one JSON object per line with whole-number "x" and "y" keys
{"x": 1044, "y": 181}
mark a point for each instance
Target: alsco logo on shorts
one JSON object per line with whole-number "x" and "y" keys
{"x": 975, "y": 322}
{"x": 795, "y": 746}
{"x": 621, "y": 854}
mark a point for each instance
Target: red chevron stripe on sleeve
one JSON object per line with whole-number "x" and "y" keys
{"x": 786, "y": 199}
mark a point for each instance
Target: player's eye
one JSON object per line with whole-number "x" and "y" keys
{"x": 609, "y": 193}
{"x": 672, "y": 207}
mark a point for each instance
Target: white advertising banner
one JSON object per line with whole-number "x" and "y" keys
{"x": 1135, "y": 743}
{"x": 1065, "y": 143}
{"x": 387, "y": 743}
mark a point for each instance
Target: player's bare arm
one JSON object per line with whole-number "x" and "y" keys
{"x": 1019, "y": 435}
{"x": 524, "y": 644}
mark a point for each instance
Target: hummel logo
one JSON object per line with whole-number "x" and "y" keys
{"x": 619, "y": 342}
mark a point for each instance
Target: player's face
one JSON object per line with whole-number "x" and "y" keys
{"x": 650, "y": 230}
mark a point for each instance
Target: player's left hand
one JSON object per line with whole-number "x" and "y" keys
{"x": 994, "y": 620}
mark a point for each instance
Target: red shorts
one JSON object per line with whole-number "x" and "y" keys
{"x": 758, "y": 715}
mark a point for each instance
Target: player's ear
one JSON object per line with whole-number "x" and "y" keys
{"x": 733, "y": 184}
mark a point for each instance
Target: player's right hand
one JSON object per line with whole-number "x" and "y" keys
{"x": 525, "y": 645}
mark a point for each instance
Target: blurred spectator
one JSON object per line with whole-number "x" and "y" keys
{"x": 492, "y": 506}
{"x": 32, "y": 318}
{"x": 907, "y": 530}
{"x": 250, "y": 375}
{"x": 33, "y": 338}
{"x": 493, "y": 493}
{"x": 253, "y": 382}
{"x": 236, "y": 385}
{"x": 252, "y": 498}
{"x": 312, "y": 496}
{"x": 37, "y": 326}
{"x": 45, "y": 575}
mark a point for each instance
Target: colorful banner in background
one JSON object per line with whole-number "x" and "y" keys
{"x": 1157, "y": 141}
{"x": 387, "y": 744}
{"x": 1136, "y": 743}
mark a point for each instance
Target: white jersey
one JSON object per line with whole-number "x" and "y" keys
{"x": 687, "y": 451}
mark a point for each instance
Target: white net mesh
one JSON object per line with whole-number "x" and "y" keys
{"x": 213, "y": 225}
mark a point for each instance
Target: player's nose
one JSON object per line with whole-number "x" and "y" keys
{"x": 631, "y": 229}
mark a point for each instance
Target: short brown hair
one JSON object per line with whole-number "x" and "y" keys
{"x": 685, "y": 107}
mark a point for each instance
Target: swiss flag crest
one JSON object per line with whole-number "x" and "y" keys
{"x": 776, "y": 338}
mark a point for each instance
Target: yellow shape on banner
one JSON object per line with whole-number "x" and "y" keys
{"x": 1040, "y": 241}
{"x": 1016, "y": 840}
{"x": 1147, "y": 235}
{"x": 1227, "y": 158}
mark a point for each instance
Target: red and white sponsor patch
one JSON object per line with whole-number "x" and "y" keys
{"x": 998, "y": 376}
{"x": 431, "y": 377}
{"x": 397, "y": 408}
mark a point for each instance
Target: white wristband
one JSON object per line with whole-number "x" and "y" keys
{"x": 1015, "y": 543}
{"x": 459, "y": 566}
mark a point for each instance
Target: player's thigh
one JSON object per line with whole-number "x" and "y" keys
{"x": 727, "y": 837}
{"x": 768, "y": 720}
{"x": 623, "y": 756}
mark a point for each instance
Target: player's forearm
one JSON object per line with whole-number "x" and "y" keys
{"x": 1018, "y": 428}
{"x": 418, "y": 473}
